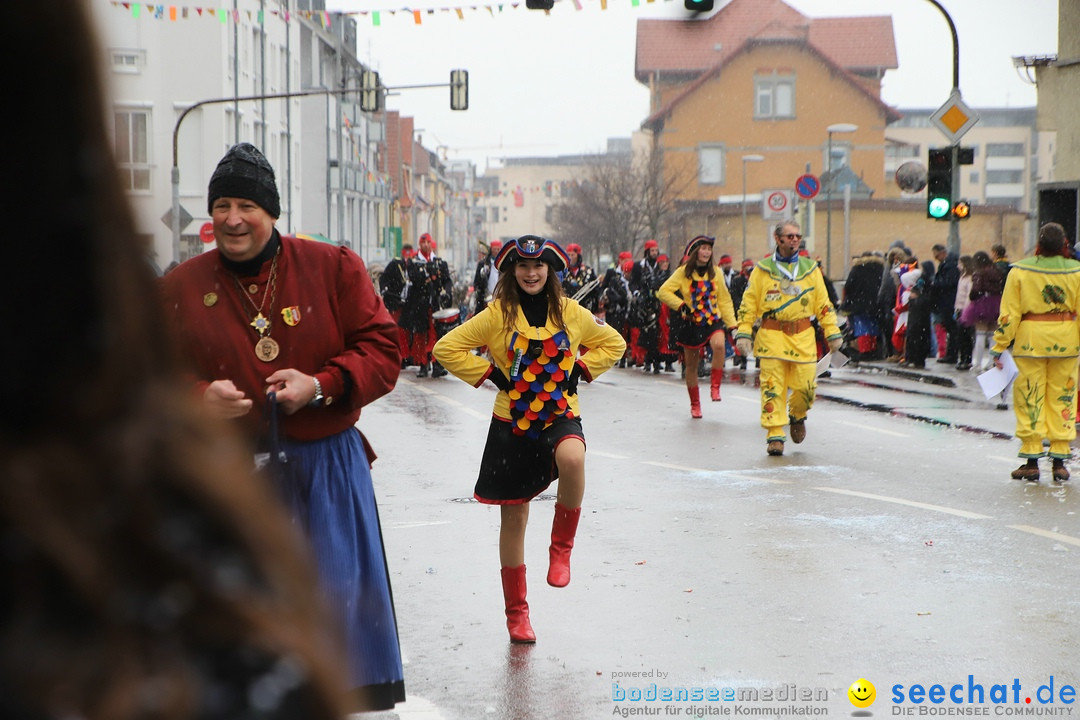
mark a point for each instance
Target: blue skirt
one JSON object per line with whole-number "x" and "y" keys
{"x": 342, "y": 524}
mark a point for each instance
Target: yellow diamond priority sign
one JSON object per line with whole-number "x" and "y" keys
{"x": 954, "y": 118}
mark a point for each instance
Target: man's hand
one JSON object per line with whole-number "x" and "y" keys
{"x": 835, "y": 344}
{"x": 294, "y": 389}
{"x": 223, "y": 400}
{"x": 744, "y": 346}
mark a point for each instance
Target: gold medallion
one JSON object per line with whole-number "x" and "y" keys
{"x": 209, "y": 299}
{"x": 260, "y": 323}
{"x": 267, "y": 349}
{"x": 253, "y": 288}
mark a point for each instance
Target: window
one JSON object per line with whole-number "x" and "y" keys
{"x": 1004, "y": 149}
{"x": 774, "y": 96}
{"x": 133, "y": 148}
{"x": 711, "y": 164}
{"x": 1004, "y": 176}
{"x": 127, "y": 61}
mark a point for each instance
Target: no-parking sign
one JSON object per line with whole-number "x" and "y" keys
{"x": 777, "y": 205}
{"x": 807, "y": 186}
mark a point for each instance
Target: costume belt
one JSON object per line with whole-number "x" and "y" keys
{"x": 788, "y": 327}
{"x": 1049, "y": 317}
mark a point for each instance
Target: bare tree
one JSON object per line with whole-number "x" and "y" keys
{"x": 617, "y": 203}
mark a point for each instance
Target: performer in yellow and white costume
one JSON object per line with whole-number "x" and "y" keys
{"x": 541, "y": 344}
{"x": 1037, "y": 319}
{"x": 785, "y": 292}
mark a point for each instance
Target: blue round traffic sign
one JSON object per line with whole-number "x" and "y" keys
{"x": 807, "y": 186}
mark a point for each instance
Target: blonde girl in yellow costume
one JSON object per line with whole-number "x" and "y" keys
{"x": 538, "y": 340}
{"x": 784, "y": 292}
{"x": 1037, "y": 319}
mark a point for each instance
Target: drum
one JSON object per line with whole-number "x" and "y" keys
{"x": 446, "y": 320}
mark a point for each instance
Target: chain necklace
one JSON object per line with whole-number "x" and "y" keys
{"x": 266, "y": 349}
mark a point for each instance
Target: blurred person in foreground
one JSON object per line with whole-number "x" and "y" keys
{"x": 146, "y": 571}
{"x": 1037, "y": 320}
{"x": 785, "y": 292}
{"x": 269, "y": 313}
{"x": 537, "y": 337}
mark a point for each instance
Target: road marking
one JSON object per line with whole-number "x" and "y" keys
{"x": 416, "y": 524}
{"x": 774, "y": 481}
{"x": 1003, "y": 459}
{"x": 613, "y": 456}
{"x": 725, "y": 473}
{"x": 674, "y": 467}
{"x": 1046, "y": 534}
{"x": 415, "y": 708}
{"x": 872, "y": 429}
{"x": 910, "y": 503}
{"x": 755, "y": 399}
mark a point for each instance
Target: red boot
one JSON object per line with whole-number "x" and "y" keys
{"x": 563, "y": 530}
{"x": 714, "y": 383}
{"x": 517, "y": 609}
{"x": 695, "y": 402}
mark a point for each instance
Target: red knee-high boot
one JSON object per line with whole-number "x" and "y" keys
{"x": 563, "y": 530}
{"x": 695, "y": 402}
{"x": 517, "y": 609}
{"x": 714, "y": 383}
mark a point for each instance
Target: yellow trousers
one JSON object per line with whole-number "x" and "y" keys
{"x": 787, "y": 389}
{"x": 1044, "y": 400}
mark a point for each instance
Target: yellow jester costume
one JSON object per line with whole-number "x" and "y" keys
{"x": 785, "y": 296}
{"x": 1037, "y": 319}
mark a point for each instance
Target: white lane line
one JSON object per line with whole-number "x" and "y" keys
{"x": 674, "y": 467}
{"x": 613, "y": 456}
{"x": 414, "y": 708}
{"x": 1005, "y": 459}
{"x": 910, "y": 503}
{"x": 755, "y": 478}
{"x": 755, "y": 399}
{"x": 1046, "y": 534}
{"x": 872, "y": 429}
{"x": 416, "y": 524}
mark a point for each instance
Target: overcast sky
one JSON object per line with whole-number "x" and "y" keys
{"x": 562, "y": 83}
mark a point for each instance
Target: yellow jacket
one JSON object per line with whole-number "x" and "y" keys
{"x": 1040, "y": 285}
{"x": 605, "y": 347}
{"x": 786, "y": 292}
{"x": 716, "y": 305}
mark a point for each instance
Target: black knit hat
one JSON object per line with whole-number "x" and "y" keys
{"x": 244, "y": 172}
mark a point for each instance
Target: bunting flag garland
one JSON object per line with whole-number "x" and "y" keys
{"x": 326, "y": 17}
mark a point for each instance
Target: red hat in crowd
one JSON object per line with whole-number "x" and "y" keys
{"x": 804, "y": 253}
{"x": 725, "y": 258}
{"x": 426, "y": 235}
{"x": 625, "y": 255}
{"x": 627, "y": 266}
{"x": 747, "y": 263}
{"x": 661, "y": 258}
{"x": 496, "y": 245}
{"x": 574, "y": 248}
{"x": 650, "y": 244}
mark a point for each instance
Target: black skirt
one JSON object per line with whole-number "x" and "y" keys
{"x": 694, "y": 336}
{"x": 517, "y": 468}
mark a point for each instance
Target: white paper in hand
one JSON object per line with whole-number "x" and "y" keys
{"x": 993, "y": 382}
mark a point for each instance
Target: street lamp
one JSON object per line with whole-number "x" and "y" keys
{"x": 835, "y": 128}
{"x": 746, "y": 159}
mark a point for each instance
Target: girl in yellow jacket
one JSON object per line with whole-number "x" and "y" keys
{"x": 1037, "y": 319}
{"x": 698, "y": 293}
{"x": 541, "y": 344}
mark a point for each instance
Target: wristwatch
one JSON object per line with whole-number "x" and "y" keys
{"x": 319, "y": 400}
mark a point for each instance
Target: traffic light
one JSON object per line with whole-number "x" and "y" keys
{"x": 459, "y": 89}
{"x": 698, "y": 5}
{"x": 961, "y": 210}
{"x": 369, "y": 91}
{"x": 939, "y": 183}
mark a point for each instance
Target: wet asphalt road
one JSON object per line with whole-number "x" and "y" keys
{"x": 890, "y": 546}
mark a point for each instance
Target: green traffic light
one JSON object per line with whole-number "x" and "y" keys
{"x": 938, "y": 207}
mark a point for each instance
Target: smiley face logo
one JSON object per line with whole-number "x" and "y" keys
{"x": 862, "y": 693}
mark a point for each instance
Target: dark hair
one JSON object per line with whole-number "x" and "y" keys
{"x": 981, "y": 259}
{"x": 1052, "y": 241}
{"x": 508, "y": 293}
{"x": 967, "y": 264}
{"x": 140, "y": 552}
{"x": 691, "y": 264}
